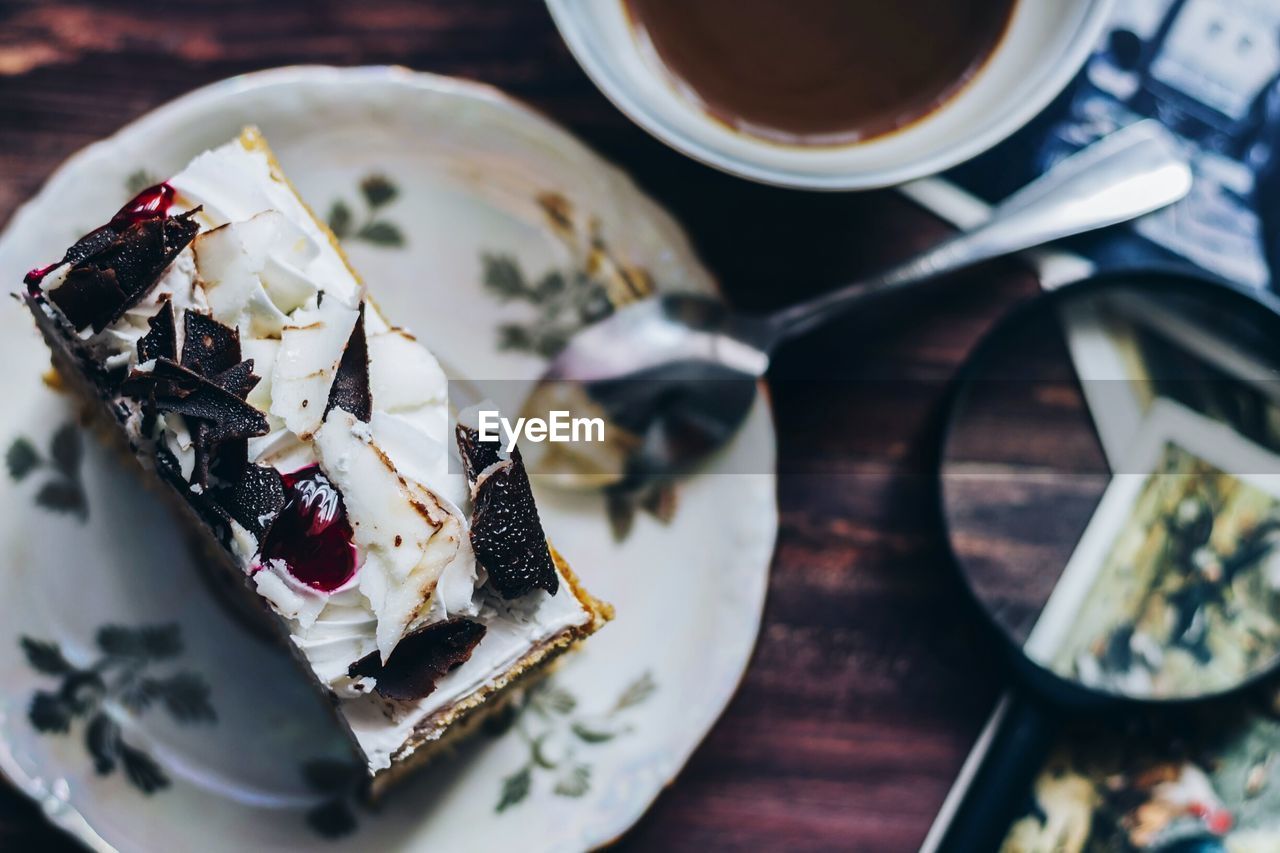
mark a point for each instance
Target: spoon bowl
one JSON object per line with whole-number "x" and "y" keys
{"x": 673, "y": 377}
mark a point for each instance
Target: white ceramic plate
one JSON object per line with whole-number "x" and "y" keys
{"x": 458, "y": 170}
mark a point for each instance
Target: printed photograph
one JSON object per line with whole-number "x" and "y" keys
{"x": 1206, "y": 783}
{"x": 1174, "y": 590}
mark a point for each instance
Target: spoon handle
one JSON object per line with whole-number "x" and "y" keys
{"x": 1129, "y": 173}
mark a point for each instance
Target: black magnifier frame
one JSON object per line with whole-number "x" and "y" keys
{"x": 1040, "y": 699}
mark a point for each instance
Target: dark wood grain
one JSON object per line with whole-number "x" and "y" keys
{"x": 869, "y": 683}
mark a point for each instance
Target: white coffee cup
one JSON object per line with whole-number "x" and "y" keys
{"x": 1045, "y": 44}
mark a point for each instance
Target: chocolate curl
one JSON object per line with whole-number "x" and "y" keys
{"x": 254, "y": 499}
{"x": 119, "y": 268}
{"x": 421, "y": 659}
{"x": 506, "y": 532}
{"x": 350, "y": 389}
{"x": 162, "y": 340}
{"x": 208, "y": 347}
{"x": 215, "y": 409}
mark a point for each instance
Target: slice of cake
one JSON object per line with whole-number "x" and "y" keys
{"x": 307, "y": 440}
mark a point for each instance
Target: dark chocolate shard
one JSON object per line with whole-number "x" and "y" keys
{"x": 214, "y": 514}
{"x": 114, "y": 277}
{"x": 187, "y": 393}
{"x": 476, "y": 455}
{"x": 214, "y": 414}
{"x": 350, "y": 389}
{"x": 162, "y": 340}
{"x": 506, "y": 532}
{"x": 152, "y": 203}
{"x": 232, "y": 455}
{"x": 208, "y": 347}
{"x": 255, "y": 499}
{"x": 90, "y": 244}
{"x": 88, "y": 296}
{"x": 239, "y": 379}
{"x": 223, "y": 460}
{"x": 231, "y": 461}
{"x": 421, "y": 659}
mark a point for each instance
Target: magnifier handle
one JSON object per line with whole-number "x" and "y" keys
{"x": 997, "y": 792}
{"x": 1127, "y": 174}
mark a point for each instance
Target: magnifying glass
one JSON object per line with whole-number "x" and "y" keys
{"x": 1109, "y": 483}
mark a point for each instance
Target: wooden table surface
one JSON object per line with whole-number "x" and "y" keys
{"x": 870, "y": 679}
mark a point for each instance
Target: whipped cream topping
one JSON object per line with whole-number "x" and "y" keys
{"x": 262, "y": 264}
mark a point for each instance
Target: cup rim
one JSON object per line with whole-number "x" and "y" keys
{"x": 569, "y": 22}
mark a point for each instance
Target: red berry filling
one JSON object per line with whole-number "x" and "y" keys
{"x": 312, "y": 535}
{"x": 151, "y": 203}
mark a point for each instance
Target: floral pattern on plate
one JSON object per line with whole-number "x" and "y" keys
{"x": 123, "y": 678}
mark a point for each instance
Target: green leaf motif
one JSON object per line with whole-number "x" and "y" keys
{"x": 102, "y": 739}
{"x": 550, "y": 286}
{"x": 381, "y": 234}
{"x": 45, "y": 658}
{"x": 332, "y": 819}
{"x": 340, "y": 220}
{"x": 21, "y": 458}
{"x": 49, "y": 714}
{"x": 575, "y": 782}
{"x": 66, "y": 450}
{"x": 137, "y": 695}
{"x": 515, "y": 788}
{"x": 119, "y": 641}
{"x": 141, "y": 770}
{"x": 185, "y": 697}
{"x": 63, "y": 492}
{"x": 378, "y": 190}
{"x": 330, "y": 775}
{"x": 62, "y": 496}
{"x": 557, "y": 735}
{"x": 155, "y": 642}
{"x": 139, "y": 180}
{"x": 82, "y": 691}
{"x": 562, "y": 301}
{"x": 551, "y": 341}
{"x": 513, "y": 337}
{"x": 591, "y": 734}
{"x": 538, "y": 753}
{"x": 637, "y": 692}
{"x": 503, "y": 277}
{"x": 338, "y": 781}
{"x": 118, "y": 679}
{"x": 558, "y": 699}
{"x": 160, "y": 642}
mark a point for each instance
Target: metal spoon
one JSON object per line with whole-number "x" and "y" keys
{"x": 674, "y": 376}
